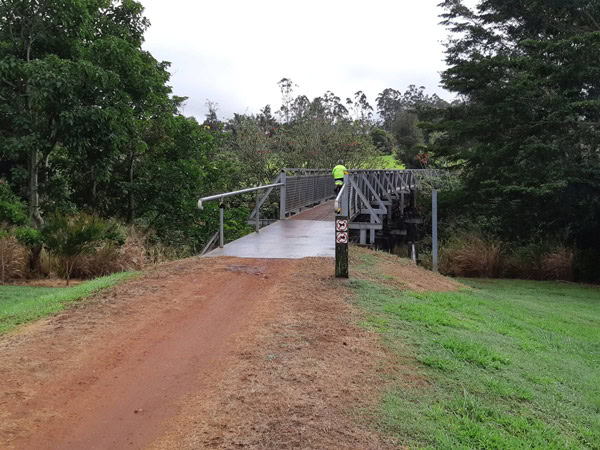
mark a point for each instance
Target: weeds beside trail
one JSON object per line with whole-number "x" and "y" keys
{"x": 22, "y": 304}
{"x": 497, "y": 364}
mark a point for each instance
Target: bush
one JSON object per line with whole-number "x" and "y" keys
{"x": 12, "y": 210}
{"x": 108, "y": 258}
{"x": 471, "y": 254}
{"x": 69, "y": 238}
{"x": 13, "y": 257}
{"x": 31, "y": 239}
{"x": 558, "y": 264}
{"x": 476, "y": 254}
{"x": 525, "y": 261}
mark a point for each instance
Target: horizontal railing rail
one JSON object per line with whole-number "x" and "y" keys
{"x": 223, "y": 196}
{"x": 231, "y": 194}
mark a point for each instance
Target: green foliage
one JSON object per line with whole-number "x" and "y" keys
{"x": 500, "y": 364}
{"x": 180, "y": 169}
{"x": 29, "y": 237}
{"x": 383, "y": 141}
{"x": 12, "y": 210}
{"x": 74, "y": 80}
{"x": 525, "y": 129}
{"x": 69, "y": 237}
{"x": 409, "y": 138}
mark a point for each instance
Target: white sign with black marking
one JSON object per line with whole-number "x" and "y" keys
{"x": 342, "y": 237}
{"x": 341, "y": 225}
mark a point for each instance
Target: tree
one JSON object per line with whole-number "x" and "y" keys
{"x": 212, "y": 120}
{"x": 388, "y": 104}
{"x": 409, "y": 138}
{"x": 179, "y": 169}
{"x": 73, "y": 77}
{"x": 526, "y": 129}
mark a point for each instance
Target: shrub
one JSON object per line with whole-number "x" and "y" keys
{"x": 524, "y": 261}
{"x": 69, "y": 238}
{"x": 558, "y": 264}
{"x": 12, "y": 210}
{"x": 13, "y": 257}
{"x": 471, "y": 254}
{"x": 108, "y": 258}
{"x": 31, "y": 239}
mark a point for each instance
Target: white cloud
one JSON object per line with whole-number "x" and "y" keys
{"x": 234, "y": 52}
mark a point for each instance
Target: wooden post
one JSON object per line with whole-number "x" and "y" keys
{"x": 342, "y": 235}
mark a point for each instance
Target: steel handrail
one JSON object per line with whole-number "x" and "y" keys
{"x": 221, "y": 197}
{"x": 231, "y": 194}
{"x": 336, "y": 205}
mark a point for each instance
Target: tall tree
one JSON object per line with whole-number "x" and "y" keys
{"x": 527, "y": 127}
{"x": 74, "y": 79}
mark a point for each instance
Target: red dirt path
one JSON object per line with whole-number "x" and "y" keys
{"x": 200, "y": 353}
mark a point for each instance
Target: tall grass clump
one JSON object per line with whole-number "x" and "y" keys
{"x": 558, "y": 264}
{"x": 471, "y": 254}
{"x": 13, "y": 258}
{"x": 110, "y": 257}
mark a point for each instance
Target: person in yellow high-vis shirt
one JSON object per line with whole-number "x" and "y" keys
{"x": 338, "y": 176}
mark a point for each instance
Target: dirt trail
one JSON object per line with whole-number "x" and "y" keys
{"x": 201, "y": 353}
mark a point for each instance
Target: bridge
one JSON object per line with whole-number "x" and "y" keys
{"x": 380, "y": 206}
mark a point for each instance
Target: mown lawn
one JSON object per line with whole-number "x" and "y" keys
{"x": 506, "y": 364}
{"x": 22, "y": 304}
{"x": 389, "y": 162}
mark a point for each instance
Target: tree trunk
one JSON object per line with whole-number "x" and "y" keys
{"x": 94, "y": 189}
{"x": 34, "y": 208}
{"x": 131, "y": 197}
{"x": 35, "y": 264}
{"x": 68, "y": 271}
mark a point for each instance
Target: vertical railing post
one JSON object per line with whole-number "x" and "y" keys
{"x": 257, "y": 211}
{"x": 434, "y": 230}
{"x": 346, "y": 196}
{"x": 221, "y": 219}
{"x": 282, "y": 195}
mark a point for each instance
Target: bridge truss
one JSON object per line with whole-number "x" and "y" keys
{"x": 369, "y": 198}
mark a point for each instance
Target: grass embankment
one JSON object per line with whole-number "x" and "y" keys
{"x": 389, "y": 162}
{"x": 22, "y": 304}
{"x": 498, "y": 364}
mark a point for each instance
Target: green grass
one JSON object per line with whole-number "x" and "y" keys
{"x": 510, "y": 364}
{"x": 22, "y": 304}
{"x": 389, "y": 162}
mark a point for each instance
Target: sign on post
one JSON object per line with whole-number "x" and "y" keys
{"x": 341, "y": 225}
{"x": 342, "y": 236}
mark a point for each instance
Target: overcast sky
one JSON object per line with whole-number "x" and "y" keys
{"x": 233, "y": 52}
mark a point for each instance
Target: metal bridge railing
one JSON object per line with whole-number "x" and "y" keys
{"x": 302, "y": 188}
{"x": 305, "y": 188}
{"x": 370, "y": 191}
{"x": 365, "y": 192}
{"x": 221, "y": 197}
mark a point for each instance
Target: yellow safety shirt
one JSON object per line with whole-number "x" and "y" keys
{"x": 338, "y": 174}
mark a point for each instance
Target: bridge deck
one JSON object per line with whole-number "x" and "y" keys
{"x": 286, "y": 239}
{"x": 324, "y": 212}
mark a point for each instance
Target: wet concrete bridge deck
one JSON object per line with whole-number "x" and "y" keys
{"x": 308, "y": 234}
